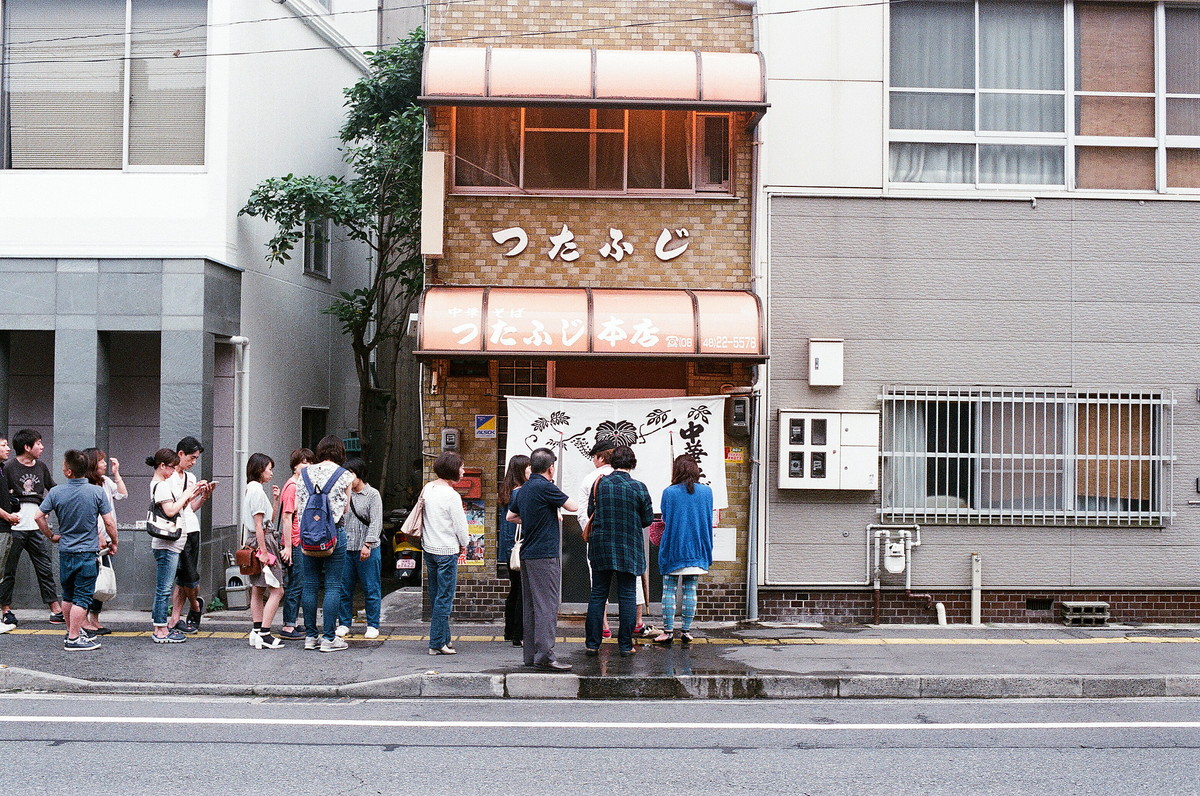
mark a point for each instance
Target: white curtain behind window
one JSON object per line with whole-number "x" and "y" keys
{"x": 65, "y": 90}
{"x": 904, "y": 436}
{"x": 167, "y": 79}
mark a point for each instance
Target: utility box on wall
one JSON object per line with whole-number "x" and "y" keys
{"x": 828, "y": 450}
{"x": 826, "y": 360}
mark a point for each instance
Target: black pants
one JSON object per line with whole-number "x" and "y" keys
{"x": 38, "y": 547}
{"x": 514, "y": 625}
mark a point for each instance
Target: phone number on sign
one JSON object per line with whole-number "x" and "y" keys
{"x": 730, "y": 342}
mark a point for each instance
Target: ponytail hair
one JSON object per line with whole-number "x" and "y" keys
{"x": 162, "y": 456}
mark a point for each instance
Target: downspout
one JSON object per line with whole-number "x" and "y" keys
{"x": 241, "y": 424}
{"x": 756, "y": 398}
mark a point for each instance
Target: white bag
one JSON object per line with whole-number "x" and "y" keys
{"x": 106, "y": 581}
{"x": 514, "y": 558}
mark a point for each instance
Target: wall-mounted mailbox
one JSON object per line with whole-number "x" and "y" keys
{"x": 828, "y": 450}
{"x": 471, "y": 485}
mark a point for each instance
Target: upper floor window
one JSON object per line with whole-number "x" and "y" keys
{"x": 1076, "y": 95}
{"x": 1013, "y": 456}
{"x": 609, "y": 150}
{"x": 318, "y": 244}
{"x": 105, "y": 84}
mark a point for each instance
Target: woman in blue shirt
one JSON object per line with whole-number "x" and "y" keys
{"x": 517, "y": 474}
{"x": 685, "y": 552}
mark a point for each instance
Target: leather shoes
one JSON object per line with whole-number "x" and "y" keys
{"x": 591, "y": 652}
{"x": 553, "y": 666}
{"x": 627, "y": 653}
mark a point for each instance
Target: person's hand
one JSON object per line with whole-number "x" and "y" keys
{"x": 275, "y": 493}
{"x": 55, "y": 537}
{"x": 110, "y": 550}
{"x": 364, "y": 554}
{"x": 286, "y": 553}
{"x": 114, "y": 465}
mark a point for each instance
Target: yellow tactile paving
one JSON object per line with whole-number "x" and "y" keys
{"x": 718, "y": 641}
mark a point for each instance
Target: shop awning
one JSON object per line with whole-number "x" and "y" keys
{"x": 590, "y": 322}
{"x": 690, "y": 80}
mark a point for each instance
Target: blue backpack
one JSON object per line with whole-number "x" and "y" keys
{"x": 318, "y": 531}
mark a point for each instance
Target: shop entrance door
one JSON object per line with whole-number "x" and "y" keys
{"x": 610, "y": 379}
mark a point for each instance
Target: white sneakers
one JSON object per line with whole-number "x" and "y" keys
{"x": 342, "y": 631}
{"x": 336, "y": 645}
{"x": 312, "y": 642}
{"x": 5, "y": 627}
{"x": 446, "y": 650}
{"x": 372, "y": 632}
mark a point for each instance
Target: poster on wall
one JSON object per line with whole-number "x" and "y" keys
{"x": 658, "y": 430}
{"x": 473, "y": 557}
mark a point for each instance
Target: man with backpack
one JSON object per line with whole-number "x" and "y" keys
{"x": 321, "y": 499}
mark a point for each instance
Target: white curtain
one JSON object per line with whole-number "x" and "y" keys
{"x": 936, "y": 163}
{"x": 904, "y": 438}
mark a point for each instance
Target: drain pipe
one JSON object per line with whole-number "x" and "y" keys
{"x": 911, "y": 535}
{"x": 976, "y": 589}
{"x": 907, "y": 536}
{"x": 241, "y": 424}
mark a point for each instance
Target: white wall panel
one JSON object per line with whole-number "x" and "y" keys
{"x": 824, "y": 134}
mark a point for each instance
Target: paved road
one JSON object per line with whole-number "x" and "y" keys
{"x": 132, "y": 745}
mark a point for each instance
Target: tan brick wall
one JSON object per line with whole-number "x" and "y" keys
{"x": 714, "y": 25}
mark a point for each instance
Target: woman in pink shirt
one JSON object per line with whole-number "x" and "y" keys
{"x": 290, "y": 546}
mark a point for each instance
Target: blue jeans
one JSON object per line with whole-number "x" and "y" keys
{"x": 165, "y": 563}
{"x": 626, "y": 604}
{"x": 441, "y": 573}
{"x": 77, "y": 573}
{"x": 294, "y": 591}
{"x": 329, "y": 572}
{"x": 367, "y": 573}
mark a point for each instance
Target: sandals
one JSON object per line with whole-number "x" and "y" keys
{"x": 686, "y": 637}
{"x": 664, "y": 637}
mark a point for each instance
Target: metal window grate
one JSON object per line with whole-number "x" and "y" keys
{"x": 1005, "y": 456}
{"x": 524, "y": 377}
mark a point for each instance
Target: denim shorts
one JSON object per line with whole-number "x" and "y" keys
{"x": 77, "y": 572}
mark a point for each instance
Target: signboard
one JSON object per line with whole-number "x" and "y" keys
{"x": 657, "y": 429}
{"x": 485, "y": 426}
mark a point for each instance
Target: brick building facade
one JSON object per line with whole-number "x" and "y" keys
{"x": 456, "y": 388}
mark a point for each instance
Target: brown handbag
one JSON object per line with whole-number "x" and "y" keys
{"x": 248, "y": 563}
{"x": 587, "y": 524}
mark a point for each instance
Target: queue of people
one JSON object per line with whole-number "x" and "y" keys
{"x": 296, "y": 568}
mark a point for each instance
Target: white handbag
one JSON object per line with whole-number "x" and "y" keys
{"x": 106, "y": 581}
{"x": 514, "y": 558}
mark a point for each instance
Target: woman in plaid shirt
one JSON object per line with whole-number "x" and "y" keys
{"x": 622, "y": 508}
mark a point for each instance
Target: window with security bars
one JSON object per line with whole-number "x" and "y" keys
{"x": 1034, "y": 457}
{"x": 103, "y": 84}
{"x": 523, "y": 377}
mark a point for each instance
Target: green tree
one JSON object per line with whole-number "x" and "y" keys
{"x": 379, "y": 205}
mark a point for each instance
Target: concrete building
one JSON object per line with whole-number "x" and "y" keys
{"x": 981, "y": 217}
{"x": 588, "y": 174}
{"x": 134, "y": 131}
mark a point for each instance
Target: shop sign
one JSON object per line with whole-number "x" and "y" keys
{"x": 669, "y": 244}
{"x": 735, "y": 454}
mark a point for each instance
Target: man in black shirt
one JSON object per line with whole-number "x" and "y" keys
{"x": 29, "y": 480}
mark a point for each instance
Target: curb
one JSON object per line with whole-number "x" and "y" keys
{"x": 523, "y": 685}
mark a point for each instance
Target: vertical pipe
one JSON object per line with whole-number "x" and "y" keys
{"x": 241, "y": 425}
{"x": 976, "y": 589}
{"x": 752, "y": 533}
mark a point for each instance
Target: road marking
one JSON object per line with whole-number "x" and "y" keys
{"x": 604, "y": 725}
{"x": 747, "y": 641}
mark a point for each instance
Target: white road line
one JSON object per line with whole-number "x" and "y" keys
{"x": 604, "y": 725}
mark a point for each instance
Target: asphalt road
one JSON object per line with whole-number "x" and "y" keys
{"x": 132, "y": 745}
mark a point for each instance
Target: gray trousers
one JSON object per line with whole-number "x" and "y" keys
{"x": 541, "y": 588}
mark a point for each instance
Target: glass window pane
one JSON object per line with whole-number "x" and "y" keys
{"x": 645, "y": 149}
{"x": 570, "y": 118}
{"x": 714, "y": 155}
{"x": 1021, "y": 45}
{"x": 564, "y": 161}
{"x": 1104, "y": 433}
{"x": 940, "y": 163}
{"x": 933, "y": 45}
{"x": 1183, "y": 50}
{"x": 1122, "y": 116}
{"x": 1114, "y": 47}
{"x": 1118, "y": 168}
{"x": 610, "y": 119}
{"x": 1183, "y": 116}
{"x": 1037, "y": 113}
{"x": 487, "y": 147}
{"x": 166, "y": 95}
{"x": 1183, "y": 168}
{"x": 678, "y": 151}
{"x": 923, "y": 111}
{"x": 65, "y": 91}
{"x": 1023, "y": 463}
{"x": 1021, "y": 165}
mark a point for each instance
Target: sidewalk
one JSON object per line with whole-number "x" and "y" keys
{"x": 771, "y": 662}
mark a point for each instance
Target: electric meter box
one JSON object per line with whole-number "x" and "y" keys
{"x": 828, "y": 450}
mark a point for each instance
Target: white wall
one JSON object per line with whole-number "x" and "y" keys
{"x": 825, "y": 83}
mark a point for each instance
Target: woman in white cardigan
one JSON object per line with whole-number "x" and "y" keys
{"x": 443, "y": 538}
